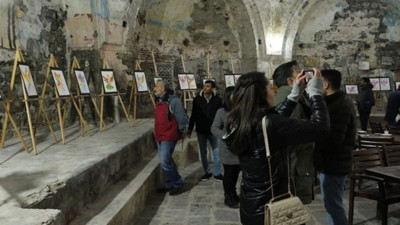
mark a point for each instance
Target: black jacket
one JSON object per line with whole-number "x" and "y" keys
{"x": 333, "y": 154}
{"x": 366, "y": 99}
{"x": 203, "y": 113}
{"x": 282, "y": 131}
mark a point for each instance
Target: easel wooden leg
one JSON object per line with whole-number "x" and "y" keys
{"x": 123, "y": 108}
{"x": 31, "y": 130}
{"x": 134, "y": 109}
{"x": 83, "y": 122}
{"x": 3, "y": 133}
{"x": 101, "y": 112}
{"x": 97, "y": 110}
{"x": 60, "y": 120}
{"x": 16, "y": 129}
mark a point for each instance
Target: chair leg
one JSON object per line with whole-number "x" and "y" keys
{"x": 351, "y": 202}
{"x": 384, "y": 213}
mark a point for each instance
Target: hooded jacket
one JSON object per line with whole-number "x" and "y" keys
{"x": 366, "y": 99}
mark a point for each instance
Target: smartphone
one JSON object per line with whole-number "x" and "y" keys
{"x": 309, "y": 75}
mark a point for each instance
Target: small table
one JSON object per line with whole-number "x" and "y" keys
{"x": 390, "y": 173}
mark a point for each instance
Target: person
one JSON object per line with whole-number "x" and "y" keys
{"x": 229, "y": 161}
{"x": 392, "y": 109}
{"x": 365, "y": 102}
{"x": 252, "y": 100}
{"x": 169, "y": 124}
{"x": 205, "y": 105}
{"x": 333, "y": 157}
{"x": 301, "y": 157}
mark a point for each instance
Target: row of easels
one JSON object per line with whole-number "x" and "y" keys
{"x": 62, "y": 97}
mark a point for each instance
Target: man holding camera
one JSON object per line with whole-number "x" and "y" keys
{"x": 301, "y": 157}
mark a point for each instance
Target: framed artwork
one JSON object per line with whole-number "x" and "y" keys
{"x": 108, "y": 81}
{"x": 351, "y": 89}
{"x": 28, "y": 80}
{"x": 229, "y": 80}
{"x": 82, "y": 83}
{"x": 183, "y": 81}
{"x": 206, "y": 79}
{"x": 396, "y": 85}
{"x": 236, "y": 77}
{"x": 60, "y": 83}
{"x": 363, "y": 65}
{"x": 141, "y": 82}
{"x": 191, "y": 82}
{"x": 385, "y": 83}
{"x": 375, "y": 84}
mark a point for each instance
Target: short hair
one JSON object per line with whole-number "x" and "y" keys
{"x": 366, "y": 79}
{"x": 333, "y": 77}
{"x": 164, "y": 83}
{"x": 283, "y": 72}
{"x": 210, "y": 82}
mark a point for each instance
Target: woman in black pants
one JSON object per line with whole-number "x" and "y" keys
{"x": 229, "y": 160}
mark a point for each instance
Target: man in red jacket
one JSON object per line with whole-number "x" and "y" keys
{"x": 169, "y": 123}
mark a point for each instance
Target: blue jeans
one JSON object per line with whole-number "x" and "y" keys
{"x": 171, "y": 175}
{"x": 332, "y": 188}
{"x": 202, "y": 139}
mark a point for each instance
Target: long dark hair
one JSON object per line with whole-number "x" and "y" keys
{"x": 227, "y": 98}
{"x": 249, "y": 104}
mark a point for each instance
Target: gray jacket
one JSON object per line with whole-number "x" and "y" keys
{"x": 218, "y": 130}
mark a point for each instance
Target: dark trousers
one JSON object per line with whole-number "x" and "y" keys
{"x": 364, "y": 120}
{"x": 231, "y": 174}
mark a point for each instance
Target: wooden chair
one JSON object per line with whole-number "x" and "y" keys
{"x": 376, "y": 127}
{"x": 391, "y": 155}
{"x": 366, "y": 141}
{"x": 394, "y": 130}
{"x": 383, "y": 193}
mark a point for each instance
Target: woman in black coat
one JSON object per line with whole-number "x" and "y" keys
{"x": 252, "y": 99}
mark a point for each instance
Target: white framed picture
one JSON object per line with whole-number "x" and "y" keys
{"x": 351, "y": 89}
{"x": 108, "y": 81}
{"x": 375, "y": 84}
{"x": 82, "y": 83}
{"x": 229, "y": 80}
{"x": 385, "y": 83}
{"x": 60, "y": 83}
{"x": 183, "y": 81}
{"x": 141, "y": 82}
{"x": 28, "y": 80}
{"x": 191, "y": 82}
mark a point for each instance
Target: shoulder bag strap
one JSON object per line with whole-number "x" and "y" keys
{"x": 268, "y": 155}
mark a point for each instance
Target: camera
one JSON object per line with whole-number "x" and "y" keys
{"x": 309, "y": 75}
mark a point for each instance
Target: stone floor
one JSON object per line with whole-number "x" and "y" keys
{"x": 201, "y": 203}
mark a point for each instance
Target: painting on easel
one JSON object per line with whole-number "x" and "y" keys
{"x": 28, "y": 80}
{"x": 108, "y": 81}
{"x": 191, "y": 82}
{"x": 82, "y": 83}
{"x": 59, "y": 80}
{"x": 229, "y": 80}
{"x": 183, "y": 81}
{"x": 141, "y": 83}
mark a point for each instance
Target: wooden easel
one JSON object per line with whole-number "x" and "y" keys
{"x": 20, "y": 58}
{"x": 53, "y": 63}
{"x": 231, "y": 63}
{"x": 135, "y": 93}
{"x": 188, "y": 95}
{"x": 75, "y": 65}
{"x": 6, "y": 107}
{"x": 105, "y": 66}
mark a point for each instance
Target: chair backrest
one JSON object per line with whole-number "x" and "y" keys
{"x": 394, "y": 130}
{"x": 366, "y": 158}
{"x": 391, "y": 155}
{"x": 376, "y": 127}
{"x": 367, "y": 141}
